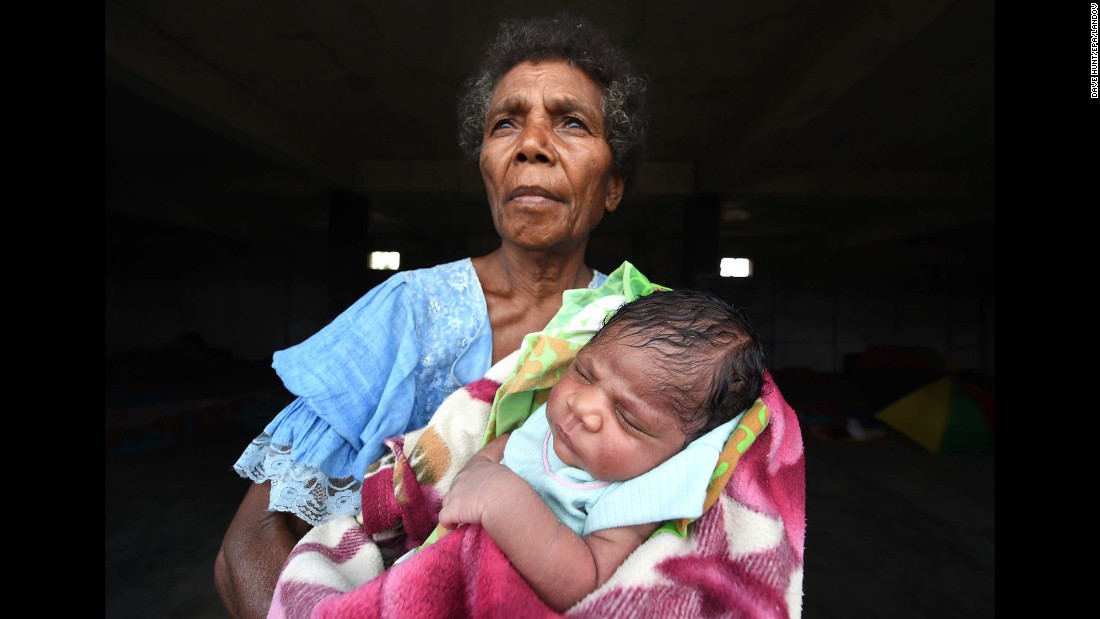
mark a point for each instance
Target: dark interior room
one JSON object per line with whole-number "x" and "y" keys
{"x": 257, "y": 154}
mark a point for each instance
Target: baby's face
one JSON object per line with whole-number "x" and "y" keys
{"x": 601, "y": 418}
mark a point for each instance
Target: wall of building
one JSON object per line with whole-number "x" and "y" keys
{"x": 251, "y": 299}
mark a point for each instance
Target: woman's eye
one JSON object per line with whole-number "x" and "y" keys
{"x": 503, "y": 123}
{"x": 575, "y": 123}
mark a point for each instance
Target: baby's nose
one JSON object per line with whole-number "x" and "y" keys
{"x": 589, "y": 406}
{"x": 592, "y": 420}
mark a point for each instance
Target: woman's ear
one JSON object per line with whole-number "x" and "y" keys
{"x": 615, "y": 186}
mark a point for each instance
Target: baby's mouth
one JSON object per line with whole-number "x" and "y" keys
{"x": 560, "y": 434}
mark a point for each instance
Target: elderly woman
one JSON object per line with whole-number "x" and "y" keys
{"x": 554, "y": 118}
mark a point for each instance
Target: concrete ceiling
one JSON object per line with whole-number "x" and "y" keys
{"x": 834, "y": 123}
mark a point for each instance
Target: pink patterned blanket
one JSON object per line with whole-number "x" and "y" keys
{"x": 742, "y": 558}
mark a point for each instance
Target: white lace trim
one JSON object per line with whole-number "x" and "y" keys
{"x": 304, "y": 491}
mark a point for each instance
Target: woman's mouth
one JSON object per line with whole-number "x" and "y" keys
{"x": 532, "y": 200}
{"x": 532, "y": 196}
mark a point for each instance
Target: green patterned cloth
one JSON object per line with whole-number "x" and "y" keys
{"x": 545, "y": 355}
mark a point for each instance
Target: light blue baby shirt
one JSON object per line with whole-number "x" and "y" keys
{"x": 676, "y": 488}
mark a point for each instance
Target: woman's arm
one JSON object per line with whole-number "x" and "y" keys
{"x": 560, "y": 566}
{"x": 253, "y": 550}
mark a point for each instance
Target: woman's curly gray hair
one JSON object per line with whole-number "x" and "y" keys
{"x": 576, "y": 40}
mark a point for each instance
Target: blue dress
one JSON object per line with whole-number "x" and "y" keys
{"x": 379, "y": 369}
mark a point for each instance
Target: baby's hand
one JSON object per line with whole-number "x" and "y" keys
{"x": 479, "y": 487}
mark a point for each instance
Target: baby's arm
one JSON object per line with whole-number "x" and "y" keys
{"x": 559, "y": 565}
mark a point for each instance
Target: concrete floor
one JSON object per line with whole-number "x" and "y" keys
{"x": 892, "y": 531}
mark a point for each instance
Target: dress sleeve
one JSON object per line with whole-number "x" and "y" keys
{"x": 355, "y": 382}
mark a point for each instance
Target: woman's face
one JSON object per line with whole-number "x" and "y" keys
{"x": 545, "y": 161}
{"x": 605, "y": 417}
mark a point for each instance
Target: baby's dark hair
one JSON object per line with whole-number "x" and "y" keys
{"x": 577, "y": 41}
{"x": 714, "y": 360}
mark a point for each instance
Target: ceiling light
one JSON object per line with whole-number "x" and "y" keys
{"x": 734, "y": 211}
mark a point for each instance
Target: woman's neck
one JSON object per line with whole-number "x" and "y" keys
{"x": 522, "y": 294}
{"x": 534, "y": 277}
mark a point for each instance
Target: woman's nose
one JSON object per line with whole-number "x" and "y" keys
{"x": 534, "y": 143}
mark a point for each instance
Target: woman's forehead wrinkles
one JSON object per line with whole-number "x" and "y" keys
{"x": 558, "y": 103}
{"x": 511, "y": 103}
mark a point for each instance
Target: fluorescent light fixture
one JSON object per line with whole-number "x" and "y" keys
{"x": 385, "y": 260}
{"x": 735, "y": 267}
